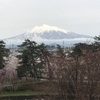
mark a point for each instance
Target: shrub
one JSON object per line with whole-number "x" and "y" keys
{"x": 26, "y": 87}
{"x": 7, "y": 88}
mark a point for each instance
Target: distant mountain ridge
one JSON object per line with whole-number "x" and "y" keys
{"x": 45, "y": 33}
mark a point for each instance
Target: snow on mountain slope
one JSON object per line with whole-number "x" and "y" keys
{"x": 46, "y": 28}
{"x": 45, "y": 33}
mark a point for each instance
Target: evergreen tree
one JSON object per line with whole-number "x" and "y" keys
{"x": 60, "y": 52}
{"x": 32, "y": 61}
{"x": 79, "y": 48}
{"x": 96, "y": 44}
{"x": 3, "y": 53}
{"x": 44, "y": 58}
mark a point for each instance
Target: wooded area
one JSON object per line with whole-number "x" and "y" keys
{"x": 70, "y": 73}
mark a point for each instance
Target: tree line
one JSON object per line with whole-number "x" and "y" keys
{"x": 76, "y": 72}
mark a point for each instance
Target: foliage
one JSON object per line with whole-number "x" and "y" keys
{"x": 7, "y": 89}
{"x": 96, "y": 43}
{"x": 60, "y": 52}
{"x": 26, "y": 87}
{"x": 32, "y": 59}
{"x": 3, "y": 53}
{"x": 80, "y": 49}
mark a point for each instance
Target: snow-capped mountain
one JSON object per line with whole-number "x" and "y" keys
{"x": 46, "y": 33}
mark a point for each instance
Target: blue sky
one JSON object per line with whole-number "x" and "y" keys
{"x": 79, "y": 16}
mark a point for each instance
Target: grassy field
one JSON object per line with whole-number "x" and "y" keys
{"x": 31, "y": 88}
{"x": 18, "y": 93}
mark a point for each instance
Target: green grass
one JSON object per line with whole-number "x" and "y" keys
{"x": 18, "y": 93}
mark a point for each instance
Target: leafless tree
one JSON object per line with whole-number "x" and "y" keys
{"x": 78, "y": 78}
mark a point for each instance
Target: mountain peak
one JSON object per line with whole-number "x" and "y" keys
{"x": 46, "y": 33}
{"x": 46, "y": 28}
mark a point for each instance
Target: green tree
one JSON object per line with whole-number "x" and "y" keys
{"x": 60, "y": 52}
{"x": 31, "y": 60}
{"x": 44, "y": 56}
{"x": 80, "y": 49}
{"x": 96, "y": 44}
{"x": 3, "y": 53}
